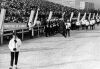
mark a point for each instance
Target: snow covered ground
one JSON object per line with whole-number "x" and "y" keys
{"x": 80, "y": 51}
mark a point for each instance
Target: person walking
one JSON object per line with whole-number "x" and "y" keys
{"x": 14, "y": 46}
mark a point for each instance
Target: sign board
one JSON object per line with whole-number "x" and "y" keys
{"x": 14, "y": 26}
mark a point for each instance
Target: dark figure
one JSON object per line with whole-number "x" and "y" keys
{"x": 30, "y": 29}
{"x": 47, "y": 30}
{"x": 62, "y": 28}
{"x": 51, "y": 30}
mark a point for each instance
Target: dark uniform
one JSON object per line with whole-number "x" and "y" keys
{"x": 47, "y": 30}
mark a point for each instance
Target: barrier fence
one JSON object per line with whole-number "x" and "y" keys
{"x": 23, "y": 33}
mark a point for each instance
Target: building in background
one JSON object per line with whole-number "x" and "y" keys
{"x": 78, "y": 4}
{"x": 69, "y": 3}
{"x": 86, "y": 5}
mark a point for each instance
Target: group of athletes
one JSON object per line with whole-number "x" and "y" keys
{"x": 87, "y": 24}
{"x": 64, "y": 27}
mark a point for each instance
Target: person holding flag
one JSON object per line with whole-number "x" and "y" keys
{"x": 14, "y": 46}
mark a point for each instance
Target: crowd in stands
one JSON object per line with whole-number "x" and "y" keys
{"x": 18, "y": 11}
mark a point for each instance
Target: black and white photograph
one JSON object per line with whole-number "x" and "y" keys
{"x": 49, "y": 34}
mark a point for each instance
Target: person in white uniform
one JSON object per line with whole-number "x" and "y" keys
{"x": 68, "y": 26}
{"x": 87, "y": 24}
{"x": 92, "y": 24}
{"x": 14, "y": 46}
{"x": 78, "y": 24}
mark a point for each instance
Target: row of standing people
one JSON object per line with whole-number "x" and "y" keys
{"x": 86, "y": 24}
{"x": 51, "y": 29}
{"x": 55, "y": 27}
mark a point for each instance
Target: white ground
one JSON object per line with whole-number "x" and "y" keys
{"x": 80, "y": 51}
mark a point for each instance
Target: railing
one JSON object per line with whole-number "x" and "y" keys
{"x": 37, "y": 31}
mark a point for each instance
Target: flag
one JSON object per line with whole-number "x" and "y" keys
{"x": 50, "y": 16}
{"x": 31, "y": 17}
{"x": 84, "y": 17}
{"x": 36, "y": 17}
{"x": 78, "y": 19}
{"x": 72, "y": 14}
{"x": 89, "y": 16}
{"x": 63, "y": 15}
{"x": 93, "y": 16}
{"x": 2, "y": 17}
{"x": 97, "y": 16}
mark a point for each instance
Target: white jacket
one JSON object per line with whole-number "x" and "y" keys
{"x": 78, "y": 23}
{"x": 92, "y": 22}
{"x": 68, "y": 25}
{"x": 13, "y": 45}
{"x": 87, "y": 23}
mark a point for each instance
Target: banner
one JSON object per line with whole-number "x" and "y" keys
{"x": 14, "y": 26}
{"x": 89, "y": 18}
{"x": 78, "y": 19}
{"x": 50, "y": 16}
{"x": 2, "y": 17}
{"x": 72, "y": 14}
